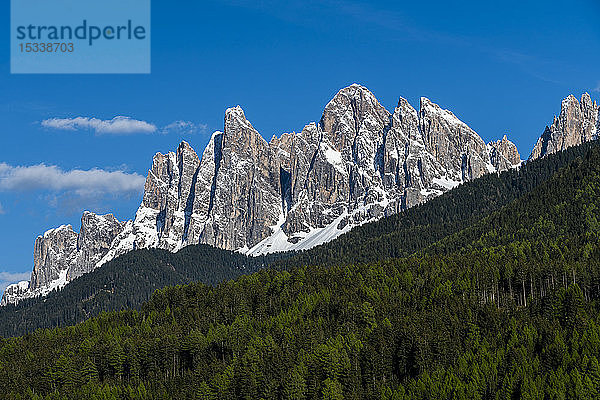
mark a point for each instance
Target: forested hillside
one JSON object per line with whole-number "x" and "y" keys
{"x": 130, "y": 280}
{"x": 125, "y": 282}
{"x": 504, "y": 307}
{"x": 410, "y": 231}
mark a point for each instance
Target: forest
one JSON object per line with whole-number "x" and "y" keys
{"x": 488, "y": 292}
{"x": 125, "y": 282}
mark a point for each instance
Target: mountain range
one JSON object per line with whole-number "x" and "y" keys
{"x": 360, "y": 163}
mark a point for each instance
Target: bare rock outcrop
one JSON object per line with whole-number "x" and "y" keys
{"x": 61, "y": 255}
{"x": 503, "y": 154}
{"x": 577, "y": 123}
{"x": 53, "y": 253}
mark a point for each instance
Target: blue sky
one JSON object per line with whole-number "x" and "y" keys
{"x": 501, "y": 67}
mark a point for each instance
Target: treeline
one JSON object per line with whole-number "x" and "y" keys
{"x": 129, "y": 280}
{"x": 555, "y": 227}
{"x": 405, "y": 233}
{"x": 123, "y": 283}
{"x": 505, "y": 308}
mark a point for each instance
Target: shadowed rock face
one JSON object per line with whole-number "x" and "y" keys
{"x": 246, "y": 196}
{"x": 359, "y": 163}
{"x": 577, "y": 123}
{"x": 455, "y": 146}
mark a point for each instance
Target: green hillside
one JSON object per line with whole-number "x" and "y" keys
{"x": 503, "y": 305}
{"x": 125, "y": 282}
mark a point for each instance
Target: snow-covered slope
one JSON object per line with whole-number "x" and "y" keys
{"x": 357, "y": 164}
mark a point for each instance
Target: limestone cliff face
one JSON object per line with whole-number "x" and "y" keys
{"x": 15, "y": 292}
{"x": 164, "y": 218}
{"x": 577, "y": 123}
{"x": 229, "y": 199}
{"x": 53, "y": 253}
{"x": 61, "y": 255}
{"x": 246, "y": 197}
{"x": 407, "y": 169}
{"x": 94, "y": 240}
{"x": 357, "y": 164}
{"x": 335, "y": 164}
{"x": 455, "y": 146}
{"x": 503, "y": 154}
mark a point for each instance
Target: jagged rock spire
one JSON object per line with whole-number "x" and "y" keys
{"x": 577, "y": 123}
{"x": 503, "y": 154}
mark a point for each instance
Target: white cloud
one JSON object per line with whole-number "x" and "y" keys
{"x": 116, "y": 126}
{"x": 7, "y": 278}
{"x": 597, "y": 89}
{"x": 2, "y": 209}
{"x": 43, "y": 177}
{"x": 121, "y": 126}
{"x": 184, "y": 127}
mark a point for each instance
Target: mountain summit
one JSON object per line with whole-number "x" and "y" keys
{"x": 577, "y": 123}
{"x": 358, "y": 164}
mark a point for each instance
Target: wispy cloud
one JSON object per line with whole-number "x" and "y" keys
{"x": 121, "y": 126}
{"x": 597, "y": 88}
{"x": 184, "y": 127}
{"x": 43, "y": 177}
{"x": 7, "y": 278}
{"x": 117, "y": 126}
{"x": 1, "y": 209}
{"x": 540, "y": 68}
{"x": 310, "y": 13}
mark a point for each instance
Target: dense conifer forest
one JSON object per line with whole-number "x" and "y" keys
{"x": 488, "y": 292}
{"x": 126, "y": 282}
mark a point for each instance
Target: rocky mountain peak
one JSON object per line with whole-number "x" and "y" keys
{"x": 61, "y": 254}
{"x": 586, "y": 101}
{"x": 569, "y": 101}
{"x": 94, "y": 241}
{"x": 239, "y": 136}
{"x": 53, "y": 253}
{"x": 403, "y": 104}
{"x": 447, "y": 138}
{"x": 282, "y": 149}
{"x": 424, "y": 102}
{"x": 235, "y": 112}
{"x": 406, "y": 117}
{"x": 235, "y": 121}
{"x": 578, "y": 122}
{"x": 157, "y": 180}
{"x": 184, "y": 150}
{"x": 429, "y": 109}
{"x": 354, "y": 111}
{"x": 57, "y": 231}
{"x": 504, "y": 154}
